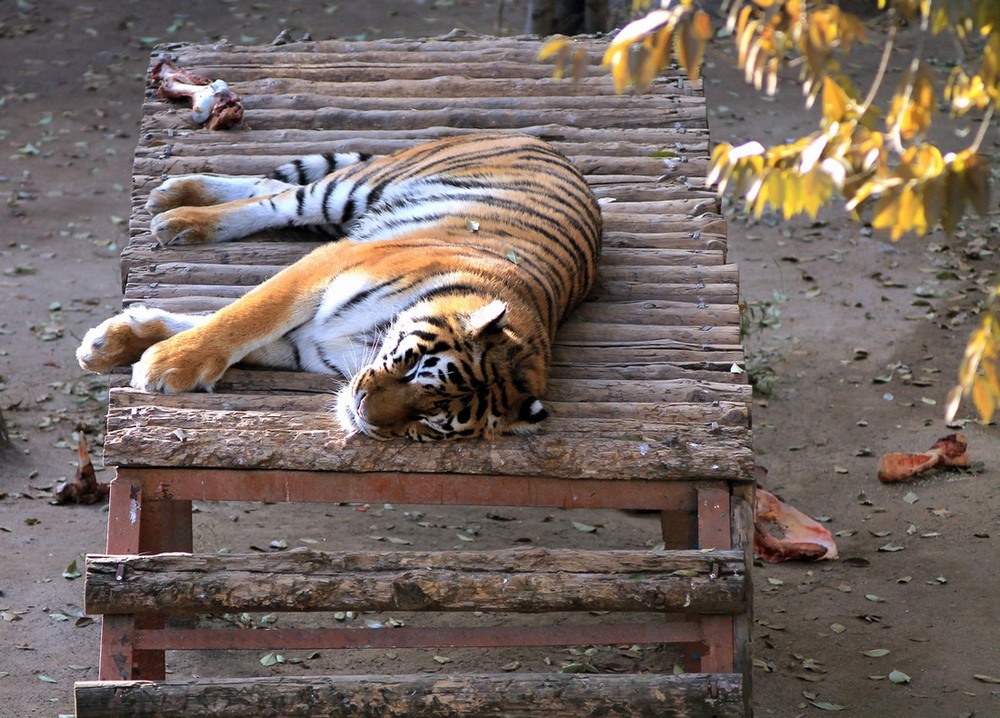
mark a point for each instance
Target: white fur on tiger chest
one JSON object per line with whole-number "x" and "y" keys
{"x": 351, "y": 319}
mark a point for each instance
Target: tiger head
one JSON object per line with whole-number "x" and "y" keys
{"x": 447, "y": 375}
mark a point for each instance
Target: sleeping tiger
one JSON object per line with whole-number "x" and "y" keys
{"x": 452, "y": 266}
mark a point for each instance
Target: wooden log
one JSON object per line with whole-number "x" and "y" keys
{"x": 571, "y": 141}
{"x": 595, "y": 168}
{"x": 311, "y": 98}
{"x": 568, "y": 418}
{"x": 464, "y": 117}
{"x": 442, "y": 86}
{"x": 519, "y": 581}
{"x": 185, "y": 273}
{"x": 419, "y": 696}
{"x": 173, "y": 437}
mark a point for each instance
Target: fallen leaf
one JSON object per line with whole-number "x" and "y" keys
{"x": 986, "y": 679}
{"x": 898, "y": 677}
{"x": 578, "y": 668}
{"x": 824, "y": 706}
{"x": 272, "y": 659}
{"x": 876, "y": 652}
{"x": 585, "y": 528}
{"x": 71, "y": 572}
{"x": 891, "y": 548}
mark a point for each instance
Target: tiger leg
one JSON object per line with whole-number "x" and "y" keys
{"x": 250, "y": 328}
{"x": 122, "y": 339}
{"x": 187, "y": 192}
{"x": 200, "y": 190}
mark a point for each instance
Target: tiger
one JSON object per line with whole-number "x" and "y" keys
{"x": 449, "y": 267}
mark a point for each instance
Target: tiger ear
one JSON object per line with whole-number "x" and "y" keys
{"x": 532, "y": 410}
{"x": 487, "y": 320}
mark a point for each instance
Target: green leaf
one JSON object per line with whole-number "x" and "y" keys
{"x": 585, "y": 528}
{"x": 272, "y": 659}
{"x": 986, "y": 679}
{"x": 876, "y": 652}
{"x": 824, "y": 706}
{"x": 898, "y": 677}
{"x": 891, "y": 548}
{"x": 71, "y": 572}
{"x": 578, "y": 668}
{"x": 46, "y": 679}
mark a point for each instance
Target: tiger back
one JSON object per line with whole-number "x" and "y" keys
{"x": 451, "y": 266}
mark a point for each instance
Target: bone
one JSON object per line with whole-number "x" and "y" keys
{"x": 213, "y": 104}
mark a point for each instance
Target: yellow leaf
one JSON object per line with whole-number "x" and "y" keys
{"x": 835, "y": 100}
{"x": 619, "y": 70}
{"x": 690, "y": 48}
{"x": 934, "y": 199}
{"x": 702, "y": 26}
{"x": 886, "y": 212}
{"x": 637, "y": 31}
{"x": 976, "y": 183}
{"x": 984, "y": 399}
{"x": 553, "y": 46}
{"x": 661, "y": 47}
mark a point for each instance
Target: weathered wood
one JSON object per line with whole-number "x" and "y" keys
{"x": 211, "y": 274}
{"x": 262, "y": 390}
{"x": 161, "y": 436}
{"x": 595, "y": 169}
{"x": 519, "y": 580}
{"x": 419, "y": 696}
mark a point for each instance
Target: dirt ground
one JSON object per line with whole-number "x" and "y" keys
{"x": 859, "y": 340}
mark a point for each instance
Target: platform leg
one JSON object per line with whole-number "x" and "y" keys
{"x": 714, "y": 527}
{"x": 139, "y": 524}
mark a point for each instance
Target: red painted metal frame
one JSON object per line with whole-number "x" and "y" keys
{"x": 437, "y": 637}
{"x": 150, "y": 512}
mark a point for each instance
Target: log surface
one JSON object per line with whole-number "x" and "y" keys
{"x": 646, "y": 377}
{"x": 420, "y": 696}
{"x": 519, "y": 580}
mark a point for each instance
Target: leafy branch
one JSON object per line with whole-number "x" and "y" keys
{"x": 881, "y": 164}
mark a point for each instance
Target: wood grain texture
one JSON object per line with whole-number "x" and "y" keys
{"x": 419, "y": 696}
{"x": 520, "y": 580}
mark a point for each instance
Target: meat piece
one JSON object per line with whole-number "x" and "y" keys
{"x": 213, "y": 104}
{"x": 783, "y": 533}
{"x": 950, "y": 451}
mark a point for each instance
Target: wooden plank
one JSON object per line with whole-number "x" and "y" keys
{"x": 531, "y": 580}
{"x": 420, "y": 696}
{"x": 301, "y": 392}
{"x": 162, "y": 436}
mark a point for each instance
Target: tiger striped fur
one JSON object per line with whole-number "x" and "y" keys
{"x": 453, "y": 265}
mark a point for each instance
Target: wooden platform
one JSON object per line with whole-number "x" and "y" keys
{"x": 648, "y": 407}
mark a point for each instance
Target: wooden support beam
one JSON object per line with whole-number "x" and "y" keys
{"x": 532, "y": 580}
{"x": 420, "y": 696}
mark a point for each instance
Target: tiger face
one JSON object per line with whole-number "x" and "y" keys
{"x": 440, "y": 376}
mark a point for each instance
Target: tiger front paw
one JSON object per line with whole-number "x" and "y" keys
{"x": 186, "y": 225}
{"x": 121, "y": 340}
{"x": 177, "y": 365}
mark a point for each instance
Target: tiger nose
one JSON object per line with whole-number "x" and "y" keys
{"x": 383, "y": 406}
